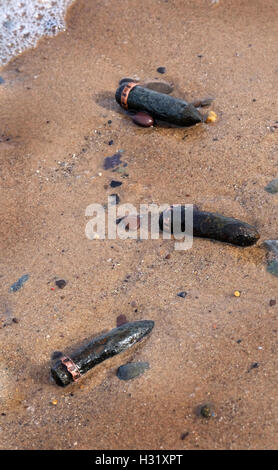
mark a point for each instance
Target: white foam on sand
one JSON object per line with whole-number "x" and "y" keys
{"x": 23, "y": 22}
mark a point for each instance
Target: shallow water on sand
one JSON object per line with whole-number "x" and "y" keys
{"x": 23, "y": 22}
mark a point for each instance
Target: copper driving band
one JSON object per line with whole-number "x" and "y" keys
{"x": 124, "y": 96}
{"x": 71, "y": 367}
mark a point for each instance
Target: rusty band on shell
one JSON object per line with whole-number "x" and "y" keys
{"x": 124, "y": 96}
{"x": 71, "y": 367}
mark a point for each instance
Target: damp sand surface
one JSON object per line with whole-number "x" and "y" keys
{"x": 57, "y": 115}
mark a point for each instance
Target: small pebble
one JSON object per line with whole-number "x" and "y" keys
{"x": 15, "y": 320}
{"x": 272, "y": 267}
{"x": 143, "y": 119}
{"x": 131, "y": 370}
{"x": 272, "y": 302}
{"x": 61, "y": 283}
{"x": 206, "y": 411}
{"x": 112, "y": 162}
{"x": 119, "y": 220}
{"x": 115, "y": 184}
{"x": 19, "y": 283}
{"x": 121, "y": 320}
{"x": 202, "y": 103}
{"x": 271, "y": 245}
{"x": 161, "y": 69}
{"x": 182, "y": 294}
{"x": 211, "y": 117}
{"x": 111, "y": 142}
{"x": 184, "y": 435}
{"x": 128, "y": 79}
{"x": 272, "y": 187}
{"x": 160, "y": 86}
{"x": 255, "y": 365}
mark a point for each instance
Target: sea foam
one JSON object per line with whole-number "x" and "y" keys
{"x": 23, "y": 22}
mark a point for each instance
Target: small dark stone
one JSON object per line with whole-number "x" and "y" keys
{"x": 272, "y": 302}
{"x": 161, "y": 69}
{"x": 111, "y": 142}
{"x": 109, "y": 122}
{"x": 131, "y": 370}
{"x": 239, "y": 341}
{"x": 255, "y": 365}
{"x": 15, "y": 320}
{"x": 143, "y": 119}
{"x": 200, "y": 56}
{"x": 168, "y": 256}
{"x": 272, "y": 187}
{"x": 61, "y": 283}
{"x": 116, "y": 200}
{"x": 160, "y": 86}
{"x": 184, "y": 435}
{"x": 206, "y": 411}
{"x": 201, "y": 103}
{"x": 128, "y": 79}
{"x": 182, "y": 294}
{"x": 115, "y": 184}
{"x": 112, "y": 162}
{"x": 272, "y": 246}
{"x": 19, "y": 283}
{"x": 272, "y": 267}
{"x": 121, "y": 319}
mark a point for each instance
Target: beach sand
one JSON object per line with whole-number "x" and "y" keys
{"x": 56, "y": 101}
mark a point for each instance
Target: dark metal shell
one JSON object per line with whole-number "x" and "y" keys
{"x": 217, "y": 227}
{"x": 161, "y": 106}
{"x": 101, "y": 348}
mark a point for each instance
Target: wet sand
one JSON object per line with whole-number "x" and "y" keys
{"x": 56, "y": 102}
